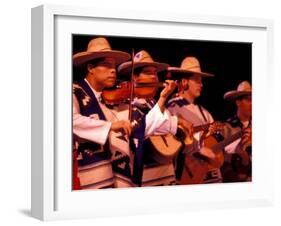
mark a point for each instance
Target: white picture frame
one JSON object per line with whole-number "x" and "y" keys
{"x": 52, "y": 197}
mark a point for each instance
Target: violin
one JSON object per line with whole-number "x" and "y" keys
{"x": 118, "y": 94}
{"x": 121, "y": 92}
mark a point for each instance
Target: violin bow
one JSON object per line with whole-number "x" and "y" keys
{"x": 132, "y": 87}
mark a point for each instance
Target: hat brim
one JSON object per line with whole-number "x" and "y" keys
{"x": 233, "y": 95}
{"x": 182, "y": 72}
{"x": 126, "y": 67}
{"x": 84, "y": 57}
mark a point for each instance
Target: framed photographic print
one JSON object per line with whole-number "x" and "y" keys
{"x": 137, "y": 112}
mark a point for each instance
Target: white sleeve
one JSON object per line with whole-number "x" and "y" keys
{"x": 89, "y": 128}
{"x": 158, "y": 123}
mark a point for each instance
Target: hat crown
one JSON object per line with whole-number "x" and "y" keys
{"x": 99, "y": 48}
{"x": 98, "y": 44}
{"x": 143, "y": 57}
{"x": 244, "y": 86}
{"x": 191, "y": 64}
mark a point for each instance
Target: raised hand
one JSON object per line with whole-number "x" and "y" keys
{"x": 169, "y": 87}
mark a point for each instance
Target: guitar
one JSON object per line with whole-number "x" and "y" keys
{"x": 184, "y": 136}
{"x": 165, "y": 147}
{"x": 217, "y": 147}
{"x": 197, "y": 165}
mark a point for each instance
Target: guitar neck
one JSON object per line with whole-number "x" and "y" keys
{"x": 227, "y": 141}
{"x": 199, "y": 128}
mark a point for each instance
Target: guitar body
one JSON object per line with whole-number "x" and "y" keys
{"x": 163, "y": 148}
{"x": 197, "y": 165}
{"x": 195, "y": 170}
{"x": 218, "y": 161}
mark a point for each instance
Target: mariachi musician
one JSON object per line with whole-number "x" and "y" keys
{"x": 146, "y": 170}
{"x": 91, "y": 126}
{"x": 237, "y": 166}
{"x": 189, "y": 77}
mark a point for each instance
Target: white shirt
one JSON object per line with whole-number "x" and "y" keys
{"x": 90, "y": 128}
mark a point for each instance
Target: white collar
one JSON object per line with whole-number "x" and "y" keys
{"x": 97, "y": 94}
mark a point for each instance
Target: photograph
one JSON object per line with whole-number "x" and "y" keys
{"x": 145, "y": 112}
{"x": 160, "y": 112}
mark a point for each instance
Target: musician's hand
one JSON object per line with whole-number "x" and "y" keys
{"x": 215, "y": 127}
{"x": 170, "y": 86}
{"x": 246, "y": 139}
{"x": 207, "y": 152}
{"x": 122, "y": 125}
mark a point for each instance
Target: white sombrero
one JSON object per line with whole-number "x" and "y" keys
{"x": 99, "y": 48}
{"x": 243, "y": 89}
{"x": 141, "y": 59}
{"x": 189, "y": 65}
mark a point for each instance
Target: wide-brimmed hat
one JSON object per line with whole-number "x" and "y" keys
{"x": 141, "y": 59}
{"x": 243, "y": 89}
{"x": 189, "y": 65}
{"x": 99, "y": 48}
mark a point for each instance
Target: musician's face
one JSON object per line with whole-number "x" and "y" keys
{"x": 103, "y": 72}
{"x": 147, "y": 74}
{"x": 245, "y": 105}
{"x": 194, "y": 85}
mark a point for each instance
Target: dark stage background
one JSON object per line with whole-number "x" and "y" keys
{"x": 230, "y": 62}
